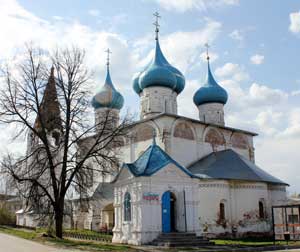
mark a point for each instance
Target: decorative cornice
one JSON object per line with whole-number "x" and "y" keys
{"x": 219, "y": 185}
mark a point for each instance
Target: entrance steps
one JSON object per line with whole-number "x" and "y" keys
{"x": 181, "y": 240}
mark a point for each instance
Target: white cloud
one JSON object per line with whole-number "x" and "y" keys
{"x": 186, "y": 105}
{"x": 234, "y": 71}
{"x": 62, "y": 32}
{"x": 280, "y": 157}
{"x": 295, "y": 22}
{"x": 201, "y": 5}
{"x": 295, "y": 92}
{"x": 58, "y": 18}
{"x": 263, "y": 95}
{"x": 94, "y": 12}
{"x": 268, "y": 120}
{"x": 236, "y": 35}
{"x": 269, "y": 112}
{"x": 256, "y": 107}
{"x": 182, "y": 48}
{"x": 257, "y": 59}
{"x": 293, "y": 129}
{"x": 212, "y": 56}
{"x": 50, "y": 34}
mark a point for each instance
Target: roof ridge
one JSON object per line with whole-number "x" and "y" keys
{"x": 151, "y": 150}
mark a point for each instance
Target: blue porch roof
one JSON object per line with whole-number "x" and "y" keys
{"x": 151, "y": 161}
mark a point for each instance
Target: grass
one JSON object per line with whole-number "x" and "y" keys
{"x": 36, "y": 235}
{"x": 90, "y": 246}
{"x": 252, "y": 242}
{"x": 65, "y": 243}
{"x": 25, "y": 234}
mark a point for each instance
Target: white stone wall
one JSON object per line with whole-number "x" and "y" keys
{"x": 106, "y": 115}
{"x": 202, "y": 201}
{"x": 156, "y": 100}
{"x": 241, "y": 200}
{"x": 183, "y": 150}
{"x": 212, "y": 113}
{"x": 277, "y": 194}
{"x": 146, "y": 222}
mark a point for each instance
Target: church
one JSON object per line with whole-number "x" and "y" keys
{"x": 179, "y": 174}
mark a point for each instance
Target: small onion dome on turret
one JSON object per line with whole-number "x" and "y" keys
{"x": 108, "y": 96}
{"x": 211, "y": 91}
{"x": 159, "y": 73}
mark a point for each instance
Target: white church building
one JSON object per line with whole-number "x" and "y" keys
{"x": 180, "y": 174}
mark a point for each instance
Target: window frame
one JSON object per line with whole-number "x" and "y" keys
{"x": 261, "y": 210}
{"x": 127, "y": 207}
{"x": 222, "y": 211}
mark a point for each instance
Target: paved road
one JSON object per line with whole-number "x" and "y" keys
{"x": 290, "y": 250}
{"x": 10, "y": 243}
{"x": 287, "y": 250}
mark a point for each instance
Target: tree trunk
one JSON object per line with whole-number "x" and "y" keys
{"x": 59, "y": 224}
{"x": 59, "y": 217}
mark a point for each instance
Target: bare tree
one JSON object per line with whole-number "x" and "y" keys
{"x": 51, "y": 109}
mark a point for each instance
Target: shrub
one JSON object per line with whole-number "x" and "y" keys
{"x": 6, "y": 217}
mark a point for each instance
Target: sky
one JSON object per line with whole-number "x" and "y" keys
{"x": 254, "y": 50}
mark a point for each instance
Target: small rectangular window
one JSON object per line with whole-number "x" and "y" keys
{"x": 261, "y": 210}
{"x": 293, "y": 218}
{"x": 222, "y": 211}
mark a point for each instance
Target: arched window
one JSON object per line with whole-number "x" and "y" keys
{"x": 222, "y": 211}
{"x": 261, "y": 210}
{"x": 127, "y": 207}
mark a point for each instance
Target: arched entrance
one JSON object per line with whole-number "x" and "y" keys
{"x": 168, "y": 212}
{"x": 108, "y": 217}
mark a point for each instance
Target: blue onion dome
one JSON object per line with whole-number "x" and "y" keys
{"x": 159, "y": 73}
{"x": 136, "y": 86}
{"x": 108, "y": 96}
{"x": 211, "y": 91}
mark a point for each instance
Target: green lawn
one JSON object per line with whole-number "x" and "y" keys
{"x": 252, "y": 242}
{"x": 36, "y": 235}
{"x": 65, "y": 243}
{"x": 89, "y": 232}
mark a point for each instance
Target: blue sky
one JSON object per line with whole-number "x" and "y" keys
{"x": 254, "y": 50}
{"x": 262, "y": 24}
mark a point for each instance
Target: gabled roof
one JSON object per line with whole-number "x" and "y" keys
{"x": 228, "y": 164}
{"x": 151, "y": 161}
{"x": 104, "y": 190}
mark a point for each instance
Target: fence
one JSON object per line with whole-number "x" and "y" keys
{"x": 286, "y": 222}
{"x": 82, "y": 236}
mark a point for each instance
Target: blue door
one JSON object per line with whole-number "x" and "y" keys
{"x": 166, "y": 212}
